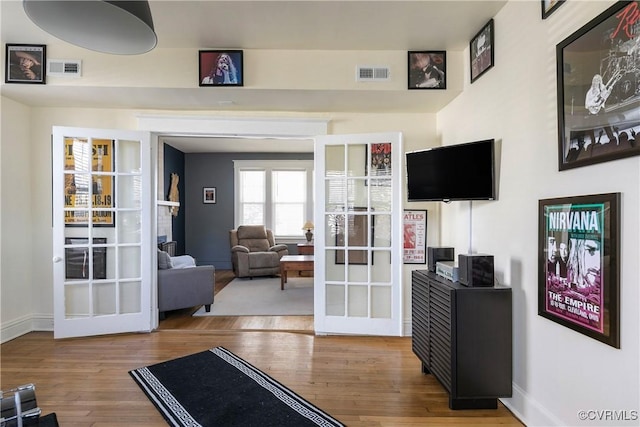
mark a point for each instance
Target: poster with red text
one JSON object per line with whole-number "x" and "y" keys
{"x": 415, "y": 237}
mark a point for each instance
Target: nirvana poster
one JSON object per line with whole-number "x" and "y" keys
{"x": 579, "y": 264}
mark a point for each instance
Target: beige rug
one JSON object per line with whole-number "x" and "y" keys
{"x": 263, "y": 297}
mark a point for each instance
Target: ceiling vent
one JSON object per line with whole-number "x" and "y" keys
{"x": 64, "y": 67}
{"x": 372, "y": 74}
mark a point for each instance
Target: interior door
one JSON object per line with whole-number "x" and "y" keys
{"x": 358, "y": 257}
{"x": 101, "y": 231}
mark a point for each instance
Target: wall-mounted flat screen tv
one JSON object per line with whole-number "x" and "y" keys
{"x": 452, "y": 172}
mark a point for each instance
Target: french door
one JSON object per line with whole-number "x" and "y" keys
{"x": 358, "y": 256}
{"x": 101, "y": 231}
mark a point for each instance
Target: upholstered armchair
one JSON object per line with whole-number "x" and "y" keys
{"x": 254, "y": 251}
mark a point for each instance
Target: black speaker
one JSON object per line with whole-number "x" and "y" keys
{"x": 435, "y": 254}
{"x": 475, "y": 270}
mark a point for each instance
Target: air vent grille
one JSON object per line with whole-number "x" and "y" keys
{"x": 372, "y": 74}
{"x": 64, "y": 67}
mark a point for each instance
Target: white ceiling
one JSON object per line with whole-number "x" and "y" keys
{"x": 296, "y": 24}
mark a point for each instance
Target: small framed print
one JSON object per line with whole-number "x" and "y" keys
{"x": 25, "y": 63}
{"x": 415, "y": 236}
{"x": 481, "y": 51}
{"x": 209, "y": 195}
{"x": 549, "y": 6}
{"x": 220, "y": 68}
{"x": 427, "y": 69}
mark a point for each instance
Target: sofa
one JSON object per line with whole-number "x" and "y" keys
{"x": 182, "y": 284}
{"x": 254, "y": 251}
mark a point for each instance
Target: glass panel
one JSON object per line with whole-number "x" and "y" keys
{"x": 335, "y": 300}
{"x": 252, "y": 214}
{"x": 77, "y": 156}
{"x": 380, "y": 198}
{"x": 129, "y": 192}
{"x": 80, "y": 264}
{"x": 335, "y": 194}
{"x": 357, "y": 194}
{"x": 334, "y": 225}
{"x": 111, "y": 263}
{"x": 76, "y": 301}
{"x": 357, "y": 272}
{"x": 334, "y": 160}
{"x": 289, "y": 219}
{"x": 334, "y": 272}
{"x": 358, "y": 297}
{"x": 252, "y": 185}
{"x": 381, "y": 302}
{"x": 129, "y": 264}
{"x": 104, "y": 298}
{"x": 381, "y": 267}
{"x": 128, "y": 154}
{"x": 380, "y": 159}
{"x": 129, "y": 226}
{"x": 381, "y": 231}
{"x": 381, "y": 182}
{"x": 358, "y": 230}
{"x": 130, "y": 294}
{"x": 356, "y": 159}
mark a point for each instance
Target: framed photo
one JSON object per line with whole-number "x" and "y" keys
{"x": 415, "y": 237}
{"x": 579, "y": 264}
{"x": 427, "y": 69}
{"x": 26, "y": 63}
{"x": 481, "y": 51}
{"x": 549, "y": 6}
{"x": 209, "y": 195}
{"x": 220, "y": 68}
{"x": 598, "y": 72}
{"x": 378, "y": 164}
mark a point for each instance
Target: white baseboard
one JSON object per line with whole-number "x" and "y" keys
{"x": 528, "y": 410}
{"x": 25, "y": 324}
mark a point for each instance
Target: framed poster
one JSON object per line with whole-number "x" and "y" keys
{"x": 25, "y": 63}
{"x": 427, "y": 69}
{"x": 209, "y": 195}
{"x": 414, "y": 228}
{"x": 549, "y": 6}
{"x": 380, "y": 164}
{"x": 88, "y": 182}
{"x": 579, "y": 267}
{"x": 598, "y": 73}
{"x": 481, "y": 51}
{"x": 220, "y": 68}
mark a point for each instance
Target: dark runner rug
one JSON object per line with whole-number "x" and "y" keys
{"x": 217, "y": 388}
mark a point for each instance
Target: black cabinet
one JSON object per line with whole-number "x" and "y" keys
{"x": 463, "y": 337}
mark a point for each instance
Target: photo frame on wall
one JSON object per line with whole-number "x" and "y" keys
{"x": 579, "y": 267}
{"x": 598, "y": 72}
{"x": 209, "y": 195}
{"x": 481, "y": 50}
{"x": 414, "y": 228}
{"x": 550, "y": 6}
{"x": 427, "y": 69}
{"x": 25, "y": 63}
{"x": 220, "y": 68}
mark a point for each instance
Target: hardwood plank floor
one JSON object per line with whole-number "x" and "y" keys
{"x": 362, "y": 381}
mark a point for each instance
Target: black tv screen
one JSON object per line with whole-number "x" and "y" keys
{"x": 452, "y": 172}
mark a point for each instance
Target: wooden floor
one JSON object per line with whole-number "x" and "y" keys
{"x": 362, "y": 381}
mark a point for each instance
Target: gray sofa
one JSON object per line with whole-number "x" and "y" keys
{"x": 254, "y": 251}
{"x": 183, "y": 287}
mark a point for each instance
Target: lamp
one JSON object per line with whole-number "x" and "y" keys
{"x": 119, "y": 27}
{"x": 308, "y": 226}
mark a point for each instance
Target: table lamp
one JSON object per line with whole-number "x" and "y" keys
{"x": 308, "y": 226}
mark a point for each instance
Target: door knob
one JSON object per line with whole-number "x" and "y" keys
{"x": 57, "y": 259}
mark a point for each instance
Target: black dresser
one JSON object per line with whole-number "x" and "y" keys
{"x": 463, "y": 336}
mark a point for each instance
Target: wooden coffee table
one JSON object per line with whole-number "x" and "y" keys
{"x": 294, "y": 263}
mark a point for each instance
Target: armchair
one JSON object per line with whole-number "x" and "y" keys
{"x": 254, "y": 251}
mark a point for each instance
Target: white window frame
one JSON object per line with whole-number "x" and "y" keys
{"x": 268, "y": 166}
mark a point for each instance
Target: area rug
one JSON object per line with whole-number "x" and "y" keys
{"x": 218, "y": 388}
{"x": 261, "y": 296}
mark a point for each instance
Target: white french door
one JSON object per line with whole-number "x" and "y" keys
{"x": 101, "y": 231}
{"x": 358, "y": 239}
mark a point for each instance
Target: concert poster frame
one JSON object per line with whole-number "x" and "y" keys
{"x": 416, "y": 74}
{"x": 414, "y": 230}
{"x": 207, "y": 74}
{"x": 481, "y": 62}
{"x": 579, "y": 283}
{"x": 599, "y": 129}
{"x": 36, "y": 52}
{"x": 209, "y": 195}
{"x": 548, "y": 7}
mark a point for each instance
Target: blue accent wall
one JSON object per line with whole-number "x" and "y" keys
{"x": 174, "y": 163}
{"x": 207, "y": 225}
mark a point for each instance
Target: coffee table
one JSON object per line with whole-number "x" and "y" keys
{"x": 294, "y": 263}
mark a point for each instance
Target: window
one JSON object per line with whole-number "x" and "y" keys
{"x": 278, "y": 194}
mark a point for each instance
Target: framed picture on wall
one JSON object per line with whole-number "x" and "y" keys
{"x": 549, "y": 6}
{"x": 598, "y": 72}
{"x": 427, "y": 69}
{"x": 220, "y": 68}
{"x": 481, "y": 51}
{"x": 25, "y": 63}
{"x": 579, "y": 264}
{"x": 414, "y": 228}
{"x": 209, "y": 195}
